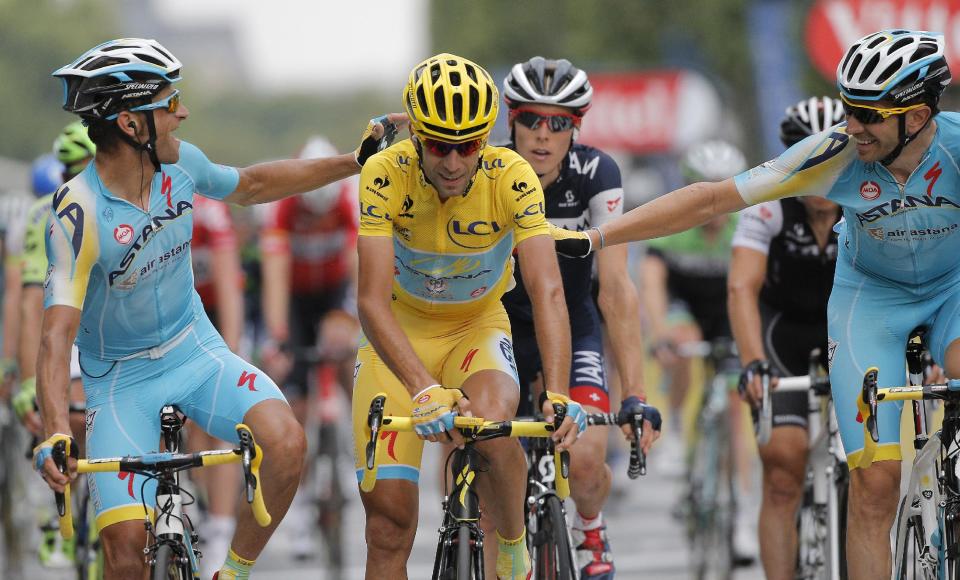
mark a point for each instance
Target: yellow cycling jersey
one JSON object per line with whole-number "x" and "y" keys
{"x": 454, "y": 258}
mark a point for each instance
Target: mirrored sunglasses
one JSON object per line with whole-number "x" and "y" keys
{"x": 556, "y": 122}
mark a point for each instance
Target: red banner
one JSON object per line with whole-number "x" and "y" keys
{"x": 641, "y": 112}
{"x": 833, "y": 25}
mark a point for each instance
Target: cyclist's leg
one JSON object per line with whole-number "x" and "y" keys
{"x": 683, "y": 330}
{"x": 483, "y": 363}
{"x": 391, "y": 507}
{"x": 787, "y": 344}
{"x": 590, "y": 476}
{"x": 232, "y": 391}
{"x": 123, "y": 418}
{"x": 868, "y": 325}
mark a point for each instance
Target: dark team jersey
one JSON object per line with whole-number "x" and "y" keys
{"x": 587, "y": 193}
{"x": 799, "y": 274}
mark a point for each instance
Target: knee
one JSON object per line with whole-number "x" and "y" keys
{"x": 874, "y": 491}
{"x": 284, "y": 441}
{"x": 782, "y": 487}
{"x": 390, "y": 530}
{"x": 587, "y": 461}
{"x": 123, "y": 549}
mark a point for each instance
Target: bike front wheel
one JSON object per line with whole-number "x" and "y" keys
{"x": 168, "y": 565}
{"x": 550, "y": 542}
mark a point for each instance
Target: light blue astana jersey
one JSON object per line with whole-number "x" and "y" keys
{"x": 907, "y": 234}
{"x": 128, "y": 270}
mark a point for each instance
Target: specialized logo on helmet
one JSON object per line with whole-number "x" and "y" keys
{"x": 869, "y": 190}
{"x": 123, "y": 234}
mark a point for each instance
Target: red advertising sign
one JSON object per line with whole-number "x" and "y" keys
{"x": 833, "y": 25}
{"x": 647, "y": 112}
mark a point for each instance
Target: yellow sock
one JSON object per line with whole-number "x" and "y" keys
{"x": 513, "y": 562}
{"x": 235, "y": 567}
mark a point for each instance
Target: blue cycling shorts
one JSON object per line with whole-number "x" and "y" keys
{"x": 869, "y": 321}
{"x": 212, "y": 386}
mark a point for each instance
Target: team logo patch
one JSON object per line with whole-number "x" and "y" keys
{"x": 765, "y": 213}
{"x": 613, "y": 204}
{"x": 435, "y": 286}
{"x": 876, "y": 233}
{"x": 423, "y": 399}
{"x": 869, "y": 190}
{"x": 123, "y": 233}
{"x": 478, "y": 292}
{"x": 831, "y": 350}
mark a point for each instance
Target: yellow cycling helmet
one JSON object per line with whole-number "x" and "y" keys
{"x": 451, "y": 99}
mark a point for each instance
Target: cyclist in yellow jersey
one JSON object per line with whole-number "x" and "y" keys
{"x": 440, "y": 216}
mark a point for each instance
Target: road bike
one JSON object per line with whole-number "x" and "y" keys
{"x": 711, "y": 499}
{"x": 927, "y": 527}
{"x": 552, "y": 553}
{"x": 172, "y": 540}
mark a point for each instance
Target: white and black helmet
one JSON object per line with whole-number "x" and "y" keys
{"x": 542, "y": 81}
{"x": 900, "y": 66}
{"x": 116, "y": 76}
{"x": 808, "y": 117}
{"x": 712, "y": 161}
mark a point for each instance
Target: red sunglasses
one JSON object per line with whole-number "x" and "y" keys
{"x": 442, "y": 148}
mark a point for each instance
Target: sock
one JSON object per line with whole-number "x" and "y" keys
{"x": 235, "y": 567}
{"x": 513, "y": 563}
{"x": 584, "y": 523}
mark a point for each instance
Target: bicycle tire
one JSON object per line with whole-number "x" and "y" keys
{"x": 553, "y": 558}
{"x": 167, "y": 565}
{"x": 464, "y": 553}
{"x": 710, "y": 527}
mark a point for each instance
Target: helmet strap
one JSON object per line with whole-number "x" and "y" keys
{"x": 904, "y": 138}
{"x": 150, "y": 146}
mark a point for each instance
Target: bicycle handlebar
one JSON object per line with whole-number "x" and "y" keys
{"x": 249, "y": 454}
{"x": 814, "y": 381}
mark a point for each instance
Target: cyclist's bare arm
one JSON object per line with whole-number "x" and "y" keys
{"x": 673, "y": 212}
{"x": 273, "y": 180}
{"x": 541, "y": 276}
{"x": 31, "y": 313}
{"x": 11, "y": 309}
{"x": 225, "y": 268}
{"x": 620, "y": 305}
{"x": 656, "y": 301}
{"x": 275, "y": 266}
{"x": 59, "y": 329}
{"x": 748, "y": 269}
{"x": 379, "y": 324}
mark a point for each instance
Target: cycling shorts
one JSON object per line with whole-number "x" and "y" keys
{"x": 869, "y": 322}
{"x": 588, "y": 377}
{"x": 451, "y": 351}
{"x": 787, "y": 343}
{"x": 209, "y": 384}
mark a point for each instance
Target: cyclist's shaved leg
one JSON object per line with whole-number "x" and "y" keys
{"x": 784, "y": 469}
{"x": 589, "y": 474}
{"x": 680, "y": 371}
{"x": 280, "y": 435}
{"x": 391, "y": 524}
{"x": 494, "y": 395}
{"x": 123, "y": 544}
{"x": 874, "y": 494}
